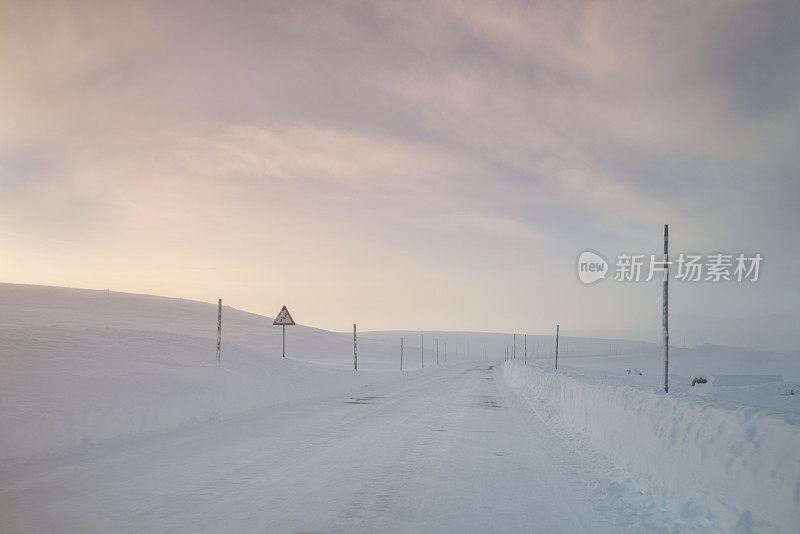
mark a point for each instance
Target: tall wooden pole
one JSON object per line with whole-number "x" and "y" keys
{"x": 355, "y": 352}
{"x": 219, "y": 334}
{"x": 557, "y": 327}
{"x": 665, "y": 317}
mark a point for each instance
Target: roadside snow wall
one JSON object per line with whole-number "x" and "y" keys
{"x": 732, "y": 471}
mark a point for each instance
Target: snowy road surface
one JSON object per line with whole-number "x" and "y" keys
{"x": 451, "y": 451}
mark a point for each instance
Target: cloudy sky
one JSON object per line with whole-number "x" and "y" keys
{"x": 416, "y": 165}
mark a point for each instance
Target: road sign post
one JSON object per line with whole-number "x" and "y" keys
{"x": 283, "y": 319}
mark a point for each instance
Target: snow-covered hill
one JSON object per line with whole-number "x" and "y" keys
{"x": 82, "y": 369}
{"x": 78, "y": 367}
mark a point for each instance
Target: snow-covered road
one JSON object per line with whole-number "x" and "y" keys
{"x": 453, "y": 450}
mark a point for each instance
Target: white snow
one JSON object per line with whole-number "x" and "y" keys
{"x": 115, "y": 417}
{"x": 732, "y": 469}
{"x": 80, "y": 367}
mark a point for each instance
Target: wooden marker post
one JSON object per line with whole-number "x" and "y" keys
{"x": 665, "y": 309}
{"x": 219, "y": 334}
{"x": 557, "y": 327}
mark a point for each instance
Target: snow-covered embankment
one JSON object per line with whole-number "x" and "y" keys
{"x": 736, "y": 470}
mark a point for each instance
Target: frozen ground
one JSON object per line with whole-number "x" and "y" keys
{"x": 115, "y": 418}
{"x": 450, "y": 451}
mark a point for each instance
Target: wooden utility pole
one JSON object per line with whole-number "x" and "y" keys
{"x": 401, "y": 353}
{"x": 557, "y": 327}
{"x": 355, "y": 352}
{"x": 665, "y": 310}
{"x": 219, "y": 334}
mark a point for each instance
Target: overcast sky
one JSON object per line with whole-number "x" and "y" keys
{"x": 414, "y": 165}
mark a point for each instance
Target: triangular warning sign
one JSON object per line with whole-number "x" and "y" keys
{"x": 283, "y": 318}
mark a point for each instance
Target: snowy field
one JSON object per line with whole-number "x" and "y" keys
{"x": 115, "y": 417}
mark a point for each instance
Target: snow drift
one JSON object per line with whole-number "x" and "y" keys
{"x": 80, "y": 367}
{"x": 732, "y": 470}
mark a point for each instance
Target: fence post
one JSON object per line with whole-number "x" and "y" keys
{"x": 665, "y": 310}
{"x": 219, "y": 334}
{"x": 557, "y": 327}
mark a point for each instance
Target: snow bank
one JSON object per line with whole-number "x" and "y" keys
{"x": 80, "y": 367}
{"x": 733, "y": 470}
{"x": 63, "y": 389}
